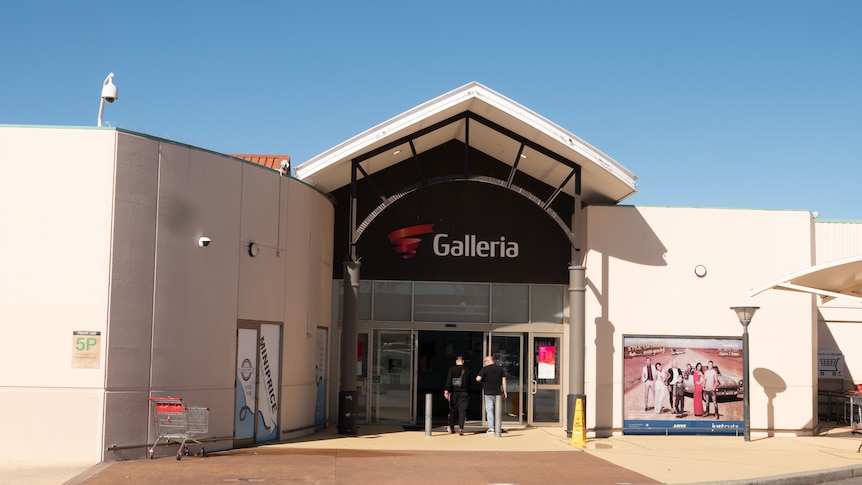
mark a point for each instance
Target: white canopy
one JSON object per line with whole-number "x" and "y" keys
{"x": 836, "y": 279}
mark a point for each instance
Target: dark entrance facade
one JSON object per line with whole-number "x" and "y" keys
{"x": 399, "y": 369}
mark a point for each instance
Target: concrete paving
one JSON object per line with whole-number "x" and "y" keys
{"x": 388, "y": 454}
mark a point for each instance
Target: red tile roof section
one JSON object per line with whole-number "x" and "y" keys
{"x": 271, "y": 161}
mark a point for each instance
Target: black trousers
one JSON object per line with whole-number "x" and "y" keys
{"x": 457, "y": 409}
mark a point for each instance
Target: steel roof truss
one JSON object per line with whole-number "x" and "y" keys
{"x": 515, "y": 166}
{"x": 826, "y": 295}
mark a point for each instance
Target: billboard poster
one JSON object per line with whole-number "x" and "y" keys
{"x": 682, "y": 385}
{"x": 547, "y": 359}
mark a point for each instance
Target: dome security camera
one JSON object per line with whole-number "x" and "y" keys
{"x": 109, "y": 90}
{"x": 204, "y": 241}
{"x": 109, "y": 95}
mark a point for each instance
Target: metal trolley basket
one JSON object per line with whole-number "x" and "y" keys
{"x": 177, "y": 422}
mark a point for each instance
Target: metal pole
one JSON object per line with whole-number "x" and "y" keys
{"x": 746, "y": 433}
{"x": 428, "y": 414}
{"x": 498, "y": 415}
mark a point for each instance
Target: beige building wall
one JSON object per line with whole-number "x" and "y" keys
{"x": 840, "y": 320}
{"x": 115, "y": 239}
{"x": 640, "y": 281}
{"x": 56, "y": 193}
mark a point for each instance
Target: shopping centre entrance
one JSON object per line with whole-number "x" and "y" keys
{"x": 398, "y": 368}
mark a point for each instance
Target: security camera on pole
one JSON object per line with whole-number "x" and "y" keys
{"x": 109, "y": 94}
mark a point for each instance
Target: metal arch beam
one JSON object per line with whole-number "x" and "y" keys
{"x": 573, "y": 240}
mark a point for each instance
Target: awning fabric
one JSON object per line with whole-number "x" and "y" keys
{"x": 836, "y": 279}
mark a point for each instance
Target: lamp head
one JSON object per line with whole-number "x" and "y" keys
{"x": 745, "y": 313}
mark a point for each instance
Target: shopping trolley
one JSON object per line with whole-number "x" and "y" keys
{"x": 175, "y": 421}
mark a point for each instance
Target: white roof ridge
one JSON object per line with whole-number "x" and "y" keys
{"x": 459, "y": 95}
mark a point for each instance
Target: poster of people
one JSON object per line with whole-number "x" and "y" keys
{"x": 682, "y": 385}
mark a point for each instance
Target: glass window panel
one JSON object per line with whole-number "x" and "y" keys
{"x": 546, "y": 405}
{"x": 365, "y": 288}
{"x": 546, "y": 304}
{"x": 392, "y": 301}
{"x": 510, "y": 304}
{"x": 449, "y": 302}
{"x": 337, "y": 294}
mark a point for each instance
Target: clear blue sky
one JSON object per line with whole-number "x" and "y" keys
{"x": 748, "y": 104}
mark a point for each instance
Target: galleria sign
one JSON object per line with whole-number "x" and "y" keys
{"x": 472, "y": 246}
{"x": 406, "y": 241}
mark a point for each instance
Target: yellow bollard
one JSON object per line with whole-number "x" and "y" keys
{"x": 579, "y": 431}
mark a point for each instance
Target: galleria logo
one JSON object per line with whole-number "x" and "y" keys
{"x": 406, "y": 242}
{"x": 472, "y": 246}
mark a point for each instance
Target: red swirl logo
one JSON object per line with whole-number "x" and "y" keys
{"x": 405, "y": 241}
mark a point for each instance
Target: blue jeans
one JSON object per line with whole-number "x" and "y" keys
{"x": 489, "y": 409}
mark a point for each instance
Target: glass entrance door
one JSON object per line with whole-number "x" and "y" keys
{"x": 545, "y": 380}
{"x": 392, "y": 377}
{"x": 257, "y": 393}
{"x": 507, "y": 350}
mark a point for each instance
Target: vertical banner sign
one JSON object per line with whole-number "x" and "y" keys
{"x": 85, "y": 349}
{"x": 579, "y": 431}
{"x": 246, "y": 381}
{"x": 268, "y": 376}
{"x": 547, "y": 359}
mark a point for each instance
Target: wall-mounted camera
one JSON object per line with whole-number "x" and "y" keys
{"x": 204, "y": 241}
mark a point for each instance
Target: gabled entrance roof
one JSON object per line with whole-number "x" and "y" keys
{"x": 836, "y": 279}
{"x": 508, "y": 132}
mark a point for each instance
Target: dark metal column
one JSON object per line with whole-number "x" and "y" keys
{"x": 577, "y": 319}
{"x": 348, "y": 395}
{"x": 577, "y": 340}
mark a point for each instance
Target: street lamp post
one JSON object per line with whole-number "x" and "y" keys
{"x": 745, "y": 314}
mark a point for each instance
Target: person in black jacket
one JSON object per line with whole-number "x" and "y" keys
{"x": 455, "y": 391}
